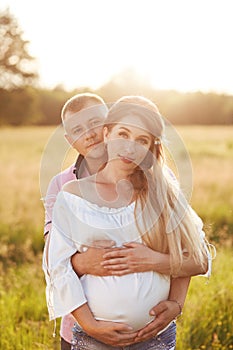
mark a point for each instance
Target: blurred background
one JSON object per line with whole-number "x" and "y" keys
{"x": 178, "y": 54}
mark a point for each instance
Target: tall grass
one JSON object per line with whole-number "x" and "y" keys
{"x": 24, "y": 322}
{"x": 207, "y": 320}
{"x": 211, "y": 151}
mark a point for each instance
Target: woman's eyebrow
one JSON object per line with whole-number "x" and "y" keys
{"x": 126, "y": 129}
{"x": 123, "y": 127}
{"x": 145, "y": 136}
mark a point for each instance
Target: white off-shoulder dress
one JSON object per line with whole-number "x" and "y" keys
{"x": 76, "y": 224}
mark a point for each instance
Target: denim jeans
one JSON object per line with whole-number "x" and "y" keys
{"x": 164, "y": 341}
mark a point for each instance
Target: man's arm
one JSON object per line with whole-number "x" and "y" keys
{"x": 137, "y": 257}
{"x": 89, "y": 262}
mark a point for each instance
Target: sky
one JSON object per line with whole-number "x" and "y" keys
{"x": 184, "y": 45}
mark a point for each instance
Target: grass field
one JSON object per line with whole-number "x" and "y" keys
{"x": 27, "y": 165}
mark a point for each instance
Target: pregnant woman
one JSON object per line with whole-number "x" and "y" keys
{"x": 132, "y": 198}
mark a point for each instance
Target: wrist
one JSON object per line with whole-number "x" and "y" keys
{"x": 161, "y": 263}
{"x": 179, "y": 305}
{"x": 77, "y": 264}
{"x": 91, "y": 327}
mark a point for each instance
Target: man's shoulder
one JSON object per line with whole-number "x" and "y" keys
{"x": 61, "y": 178}
{"x": 67, "y": 172}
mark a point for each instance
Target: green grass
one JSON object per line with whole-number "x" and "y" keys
{"x": 207, "y": 319}
{"x": 24, "y": 321}
{"x": 206, "y": 322}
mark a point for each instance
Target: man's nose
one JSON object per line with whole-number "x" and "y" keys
{"x": 90, "y": 133}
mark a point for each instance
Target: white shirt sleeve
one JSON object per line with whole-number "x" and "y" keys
{"x": 64, "y": 292}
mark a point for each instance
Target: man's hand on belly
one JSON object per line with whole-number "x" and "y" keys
{"x": 89, "y": 262}
{"x": 135, "y": 257}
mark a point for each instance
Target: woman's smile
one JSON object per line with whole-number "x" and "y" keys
{"x": 126, "y": 159}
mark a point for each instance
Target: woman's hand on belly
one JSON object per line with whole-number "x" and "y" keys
{"x": 113, "y": 333}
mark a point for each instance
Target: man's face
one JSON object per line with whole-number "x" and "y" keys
{"x": 84, "y": 130}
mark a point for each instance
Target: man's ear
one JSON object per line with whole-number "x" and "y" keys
{"x": 69, "y": 139}
{"x": 105, "y": 133}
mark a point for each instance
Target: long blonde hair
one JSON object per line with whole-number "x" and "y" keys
{"x": 167, "y": 223}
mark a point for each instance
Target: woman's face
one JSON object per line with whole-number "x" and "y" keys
{"x": 128, "y": 142}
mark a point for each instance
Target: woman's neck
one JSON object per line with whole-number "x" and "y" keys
{"x": 112, "y": 186}
{"x": 112, "y": 175}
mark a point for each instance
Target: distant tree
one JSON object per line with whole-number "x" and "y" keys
{"x": 16, "y": 64}
{"x": 50, "y": 105}
{"x": 20, "y": 106}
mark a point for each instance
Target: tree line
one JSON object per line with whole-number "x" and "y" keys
{"x": 31, "y": 106}
{"x": 22, "y": 102}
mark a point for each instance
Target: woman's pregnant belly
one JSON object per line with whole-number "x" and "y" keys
{"x": 126, "y": 299}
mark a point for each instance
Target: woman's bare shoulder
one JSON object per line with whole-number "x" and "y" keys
{"x": 72, "y": 187}
{"x": 78, "y": 186}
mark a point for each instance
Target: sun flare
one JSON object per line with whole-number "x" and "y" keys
{"x": 172, "y": 44}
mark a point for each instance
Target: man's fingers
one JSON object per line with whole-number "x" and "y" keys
{"x": 121, "y": 272}
{"x": 132, "y": 244}
{"x": 115, "y": 253}
{"x": 116, "y": 267}
{"x": 116, "y": 261}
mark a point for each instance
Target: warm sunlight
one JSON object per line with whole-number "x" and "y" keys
{"x": 149, "y": 203}
{"x": 182, "y": 45}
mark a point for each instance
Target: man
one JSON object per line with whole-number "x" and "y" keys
{"x": 83, "y": 118}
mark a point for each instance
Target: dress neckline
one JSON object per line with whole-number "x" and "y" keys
{"x": 97, "y": 207}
